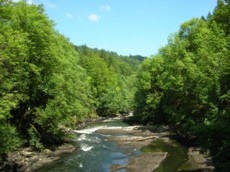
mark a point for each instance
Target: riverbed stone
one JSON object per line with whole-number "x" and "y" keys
{"x": 135, "y": 138}
{"x": 27, "y": 160}
{"x": 146, "y": 162}
{"x": 27, "y": 154}
{"x": 196, "y": 162}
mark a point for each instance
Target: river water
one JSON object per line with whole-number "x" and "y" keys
{"x": 95, "y": 154}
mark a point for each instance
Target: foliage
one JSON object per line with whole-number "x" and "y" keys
{"x": 187, "y": 84}
{"x": 42, "y": 85}
{"x": 46, "y": 85}
{"x": 111, "y": 79}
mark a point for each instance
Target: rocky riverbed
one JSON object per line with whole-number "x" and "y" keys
{"x": 28, "y": 160}
{"x": 136, "y": 137}
{"x": 128, "y": 137}
{"x": 196, "y": 162}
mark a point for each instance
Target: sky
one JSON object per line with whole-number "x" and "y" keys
{"x": 136, "y": 27}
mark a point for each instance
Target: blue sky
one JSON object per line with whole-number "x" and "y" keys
{"x": 124, "y": 26}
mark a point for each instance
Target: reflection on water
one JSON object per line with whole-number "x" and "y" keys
{"x": 177, "y": 154}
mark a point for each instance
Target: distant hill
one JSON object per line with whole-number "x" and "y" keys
{"x": 112, "y": 59}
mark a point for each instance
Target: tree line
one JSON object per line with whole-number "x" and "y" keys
{"x": 47, "y": 83}
{"x": 187, "y": 84}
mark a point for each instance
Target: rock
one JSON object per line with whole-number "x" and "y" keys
{"x": 47, "y": 151}
{"x": 146, "y": 162}
{"x": 9, "y": 166}
{"x": 34, "y": 159}
{"x": 41, "y": 162}
{"x": 27, "y": 160}
{"x": 135, "y": 138}
{"x": 64, "y": 149}
{"x": 27, "y": 154}
{"x": 196, "y": 162}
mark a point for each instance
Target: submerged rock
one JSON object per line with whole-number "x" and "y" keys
{"x": 196, "y": 162}
{"x": 146, "y": 162}
{"x": 134, "y": 137}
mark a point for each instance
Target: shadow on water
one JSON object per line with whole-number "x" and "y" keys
{"x": 177, "y": 154}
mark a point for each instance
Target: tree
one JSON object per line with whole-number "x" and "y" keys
{"x": 190, "y": 89}
{"x": 42, "y": 85}
{"x": 111, "y": 78}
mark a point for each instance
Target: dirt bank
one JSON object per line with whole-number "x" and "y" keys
{"x": 27, "y": 160}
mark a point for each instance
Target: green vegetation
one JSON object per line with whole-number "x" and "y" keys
{"x": 111, "y": 79}
{"x": 45, "y": 84}
{"x": 187, "y": 84}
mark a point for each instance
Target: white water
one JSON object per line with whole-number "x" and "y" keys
{"x": 88, "y": 130}
{"x": 86, "y": 148}
{"x": 94, "y": 129}
{"x": 94, "y": 153}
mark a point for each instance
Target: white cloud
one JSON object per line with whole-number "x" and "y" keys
{"x": 94, "y": 17}
{"x": 68, "y": 15}
{"x": 27, "y": 1}
{"x": 50, "y": 5}
{"x": 105, "y": 8}
{"x": 30, "y": 2}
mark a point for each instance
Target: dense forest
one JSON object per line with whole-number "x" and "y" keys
{"x": 187, "y": 84}
{"x": 47, "y": 83}
{"x": 111, "y": 78}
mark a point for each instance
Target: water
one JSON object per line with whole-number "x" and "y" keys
{"x": 177, "y": 154}
{"x": 95, "y": 154}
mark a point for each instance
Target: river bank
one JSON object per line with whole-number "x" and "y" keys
{"x": 138, "y": 137}
{"x": 132, "y": 140}
{"x": 28, "y": 160}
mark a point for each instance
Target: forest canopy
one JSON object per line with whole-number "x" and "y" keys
{"x": 47, "y": 83}
{"x": 187, "y": 84}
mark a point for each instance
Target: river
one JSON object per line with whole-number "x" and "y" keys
{"x": 95, "y": 153}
